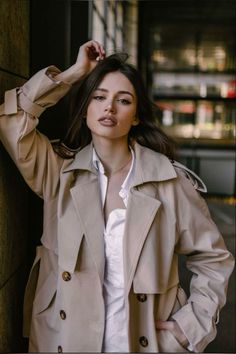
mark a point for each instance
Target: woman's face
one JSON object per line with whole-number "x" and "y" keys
{"x": 112, "y": 108}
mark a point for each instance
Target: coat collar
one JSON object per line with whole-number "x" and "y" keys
{"x": 83, "y": 160}
{"x": 150, "y": 166}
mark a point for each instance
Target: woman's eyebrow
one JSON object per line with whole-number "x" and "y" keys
{"x": 119, "y": 92}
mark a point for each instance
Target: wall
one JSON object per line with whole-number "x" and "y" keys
{"x": 14, "y": 68}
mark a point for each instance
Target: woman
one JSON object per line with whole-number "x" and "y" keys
{"x": 117, "y": 212}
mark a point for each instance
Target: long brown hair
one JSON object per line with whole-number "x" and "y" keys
{"x": 146, "y": 133}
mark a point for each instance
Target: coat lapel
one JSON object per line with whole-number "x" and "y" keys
{"x": 87, "y": 204}
{"x": 87, "y": 201}
{"x": 150, "y": 167}
{"x": 140, "y": 214}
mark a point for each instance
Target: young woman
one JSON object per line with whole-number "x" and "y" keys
{"x": 117, "y": 212}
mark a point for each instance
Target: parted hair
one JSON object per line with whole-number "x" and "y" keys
{"x": 146, "y": 133}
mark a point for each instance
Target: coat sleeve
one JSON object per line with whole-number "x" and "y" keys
{"x": 209, "y": 261}
{"x": 30, "y": 150}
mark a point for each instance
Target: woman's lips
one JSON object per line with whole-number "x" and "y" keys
{"x": 108, "y": 121}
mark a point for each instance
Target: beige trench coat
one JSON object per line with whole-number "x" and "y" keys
{"x": 64, "y": 308}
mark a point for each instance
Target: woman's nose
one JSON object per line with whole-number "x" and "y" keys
{"x": 110, "y": 107}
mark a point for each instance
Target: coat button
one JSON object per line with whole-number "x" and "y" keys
{"x": 62, "y": 315}
{"x": 142, "y": 297}
{"x": 59, "y": 349}
{"x": 66, "y": 276}
{"x": 143, "y": 341}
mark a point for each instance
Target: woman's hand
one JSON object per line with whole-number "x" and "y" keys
{"x": 173, "y": 327}
{"x": 89, "y": 55}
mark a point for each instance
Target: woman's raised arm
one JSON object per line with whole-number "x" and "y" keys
{"x": 30, "y": 150}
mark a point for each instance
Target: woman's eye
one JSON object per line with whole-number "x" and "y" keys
{"x": 123, "y": 101}
{"x": 98, "y": 98}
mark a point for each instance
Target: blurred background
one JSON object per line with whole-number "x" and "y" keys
{"x": 186, "y": 52}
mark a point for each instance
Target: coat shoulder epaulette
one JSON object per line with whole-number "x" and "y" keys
{"x": 192, "y": 176}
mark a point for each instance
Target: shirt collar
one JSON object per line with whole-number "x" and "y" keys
{"x": 97, "y": 163}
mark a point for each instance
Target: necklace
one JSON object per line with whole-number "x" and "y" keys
{"x": 121, "y": 168}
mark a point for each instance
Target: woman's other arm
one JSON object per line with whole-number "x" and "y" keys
{"x": 210, "y": 263}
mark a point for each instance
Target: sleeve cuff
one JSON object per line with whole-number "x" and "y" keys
{"x": 197, "y": 326}
{"x": 40, "y": 92}
{"x": 43, "y": 90}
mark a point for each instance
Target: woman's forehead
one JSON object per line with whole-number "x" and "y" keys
{"x": 116, "y": 80}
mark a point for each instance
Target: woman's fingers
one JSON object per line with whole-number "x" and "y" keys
{"x": 95, "y": 50}
{"x": 175, "y": 329}
{"x": 89, "y": 54}
{"x": 169, "y": 325}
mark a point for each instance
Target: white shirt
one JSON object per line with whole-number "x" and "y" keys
{"x": 116, "y": 327}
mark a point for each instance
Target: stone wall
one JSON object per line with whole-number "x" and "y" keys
{"x": 14, "y": 69}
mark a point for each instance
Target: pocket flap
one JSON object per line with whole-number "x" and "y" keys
{"x": 45, "y": 293}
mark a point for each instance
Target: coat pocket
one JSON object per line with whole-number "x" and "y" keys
{"x": 166, "y": 340}
{"x": 167, "y": 343}
{"x": 180, "y": 300}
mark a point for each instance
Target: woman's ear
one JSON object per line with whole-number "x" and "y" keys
{"x": 135, "y": 121}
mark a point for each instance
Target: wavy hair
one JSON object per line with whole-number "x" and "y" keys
{"x": 146, "y": 133}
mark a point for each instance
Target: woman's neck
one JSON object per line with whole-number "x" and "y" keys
{"x": 114, "y": 155}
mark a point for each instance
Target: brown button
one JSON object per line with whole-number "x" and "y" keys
{"x": 143, "y": 341}
{"x": 66, "y": 276}
{"x": 142, "y": 297}
{"x": 62, "y": 315}
{"x": 59, "y": 349}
